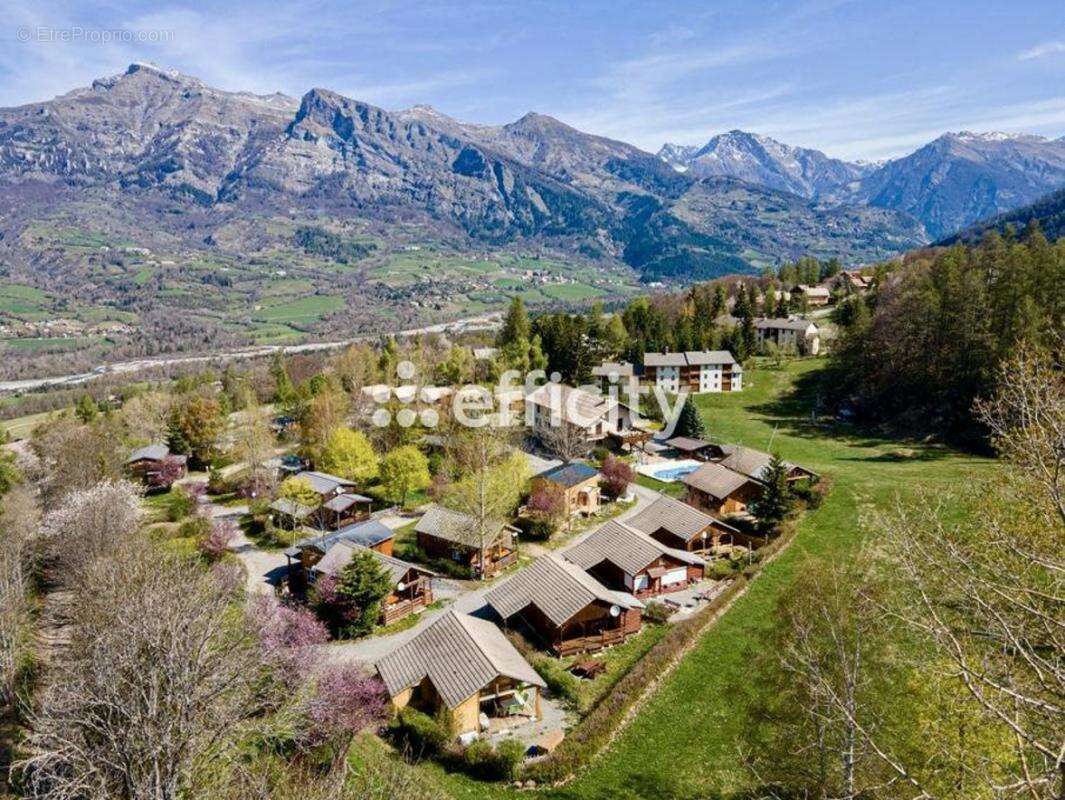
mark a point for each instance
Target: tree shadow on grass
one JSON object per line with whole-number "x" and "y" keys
{"x": 803, "y": 412}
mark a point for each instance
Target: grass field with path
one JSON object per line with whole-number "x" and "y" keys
{"x": 683, "y": 744}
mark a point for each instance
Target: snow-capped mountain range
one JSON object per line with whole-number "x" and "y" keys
{"x": 947, "y": 184}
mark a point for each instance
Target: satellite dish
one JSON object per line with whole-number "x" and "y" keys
{"x": 400, "y": 586}
{"x": 615, "y": 611}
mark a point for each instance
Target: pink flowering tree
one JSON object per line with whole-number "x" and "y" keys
{"x": 221, "y": 534}
{"x": 345, "y": 701}
{"x": 170, "y": 470}
{"x": 290, "y": 636}
{"x": 616, "y": 476}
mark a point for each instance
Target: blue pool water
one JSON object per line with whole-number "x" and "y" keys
{"x": 673, "y": 473}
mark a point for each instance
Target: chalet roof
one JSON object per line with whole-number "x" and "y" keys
{"x": 674, "y": 516}
{"x": 687, "y": 444}
{"x": 714, "y": 479}
{"x": 628, "y": 549}
{"x": 575, "y": 406}
{"x": 342, "y": 502}
{"x": 571, "y": 474}
{"x": 664, "y": 359}
{"x": 778, "y": 323}
{"x": 696, "y": 358}
{"x": 151, "y": 452}
{"x": 323, "y": 482}
{"x": 813, "y": 291}
{"x": 290, "y": 508}
{"x": 557, "y": 587}
{"x": 460, "y": 655}
{"x": 367, "y": 533}
{"x": 341, "y": 553}
{"x": 750, "y": 462}
{"x": 454, "y": 526}
{"x": 623, "y": 369}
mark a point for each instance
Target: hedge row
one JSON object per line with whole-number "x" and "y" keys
{"x": 589, "y": 737}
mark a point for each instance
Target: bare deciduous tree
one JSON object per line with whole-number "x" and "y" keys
{"x": 988, "y": 593}
{"x": 90, "y": 524}
{"x": 18, "y": 529}
{"x": 153, "y": 689}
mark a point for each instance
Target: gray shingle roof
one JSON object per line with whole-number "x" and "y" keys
{"x": 460, "y": 655}
{"x": 628, "y": 549}
{"x": 341, "y": 553}
{"x": 323, "y": 482}
{"x": 678, "y": 518}
{"x": 623, "y": 369}
{"x": 151, "y": 452}
{"x": 366, "y": 533}
{"x": 687, "y": 444}
{"x": 695, "y": 358}
{"x": 454, "y": 526}
{"x": 714, "y": 479}
{"x": 342, "y": 502}
{"x": 784, "y": 324}
{"x": 664, "y": 359}
{"x": 557, "y": 587}
{"x": 291, "y": 508}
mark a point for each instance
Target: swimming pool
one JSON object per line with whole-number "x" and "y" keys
{"x": 668, "y": 471}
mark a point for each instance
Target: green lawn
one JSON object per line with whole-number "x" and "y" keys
{"x": 683, "y": 744}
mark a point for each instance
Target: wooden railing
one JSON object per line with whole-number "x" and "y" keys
{"x": 402, "y": 608}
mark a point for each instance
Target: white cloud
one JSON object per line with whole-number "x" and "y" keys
{"x": 1042, "y": 50}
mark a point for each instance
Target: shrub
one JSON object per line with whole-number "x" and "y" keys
{"x": 560, "y": 681}
{"x": 419, "y": 733}
{"x": 494, "y": 763}
{"x": 179, "y": 504}
{"x": 195, "y": 527}
{"x": 536, "y": 528}
{"x": 722, "y": 570}
{"x": 346, "y": 700}
{"x": 811, "y": 493}
{"x": 656, "y": 612}
{"x": 218, "y": 483}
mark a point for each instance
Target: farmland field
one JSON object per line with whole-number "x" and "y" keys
{"x": 683, "y": 744}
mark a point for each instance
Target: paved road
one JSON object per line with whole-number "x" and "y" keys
{"x": 140, "y": 365}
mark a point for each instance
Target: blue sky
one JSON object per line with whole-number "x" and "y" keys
{"x": 855, "y": 79}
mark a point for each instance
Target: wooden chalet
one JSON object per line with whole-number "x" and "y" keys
{"x": 444, "y": 533}
{"x": 564, "y": 608}
{"x": 339, "y": 504}
{"x": 689, "y": 447}
{"x": 579, "y": 484}
{"x": 629, "y": 560}
{"x": 147, "y": 464}
{"x": 753, "y": 463}
{"x": 588, "y": 417}
{"x": 412, "y": 586}
{"x": 719, "y": 490}
{"x": 680, "y": 526}
{"x": 468, "y": 667}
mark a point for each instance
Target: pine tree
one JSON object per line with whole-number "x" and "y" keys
{"x": 690, "y": 422}
{"x": 777, "y": 499}
{"x": 516, "y": 326}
